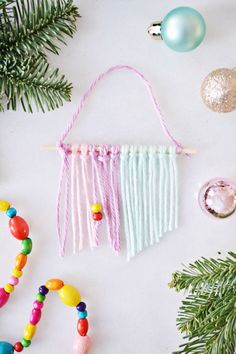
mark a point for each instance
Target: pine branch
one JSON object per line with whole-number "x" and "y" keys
{"x": 33, "y": 83}
{"x": 35, "y": 26}
{"x": 208, "y": 314}
{"x": 28, "y": 28}
{"x": 5, "y": 3}
{"x": 207, "y": 275}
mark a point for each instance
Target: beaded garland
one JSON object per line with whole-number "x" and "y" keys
{"x": 20, "y": 230}
{"x": 70, "y": 296}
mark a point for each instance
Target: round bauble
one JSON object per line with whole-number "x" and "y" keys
{"x": 183, "y": 29}
{"x": 217, "y": 197}
{"x": 219, "y": 90}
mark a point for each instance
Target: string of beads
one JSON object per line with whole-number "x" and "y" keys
{"x": 20, "y": 230}
{"x": 70, "y": 296}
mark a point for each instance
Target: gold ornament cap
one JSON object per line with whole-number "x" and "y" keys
{"x": 154, "y": 30}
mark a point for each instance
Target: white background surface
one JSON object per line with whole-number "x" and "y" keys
{"x": 131, "y": 309}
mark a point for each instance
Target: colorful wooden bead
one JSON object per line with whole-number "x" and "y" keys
{"x": 43, "y": 290}
{"x": 81, "y": 307}
{"x": 82, "y": 345}
{"x": 69, "y": 295}
{"x": 82, "y": 326}
{"x": 40, "y": 297}
{"x": 19, "y": 228}
{"x": 97, "y": 216}
{"x": 17, "y": 273}
{"x": 38, "y": 305}
{"x": 11, "y": 212}
{"x": 83, "y": 314}
{"x": 96, "y": 208}
{"x": 26, "y": 343}
{"x": 54, "y": 284}
{"x": 4, "y": 205}
{"x": 21, "y": 261}
{"x": 13, "y": 281}
{"x": 27, "y": 246}
{"x": 35, "y": 316}
{"x": 18, "y": 347}
{"x": 6, "y": 348}
{"x": 4, "y": 297}
{"x": 29, "y": 332}
{"x": 9, "y": 288}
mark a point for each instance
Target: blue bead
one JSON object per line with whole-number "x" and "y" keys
{"x": 83, "y": 314}
{"x": 183, "y": 29}
{"x": 6, "y": 348}
{"x": 43, "y": 290}
{"x": 11, "y": 212}
{"x": 81, "y": 306}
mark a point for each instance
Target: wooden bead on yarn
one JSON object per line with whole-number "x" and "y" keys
{"x": 82, "y": 345}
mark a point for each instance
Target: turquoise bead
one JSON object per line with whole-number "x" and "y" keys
{"x": 183, "y": 29}
{"x": 82, "y": 314}
{"x": 6, "y": 348}
{"x": 11, "y": 212}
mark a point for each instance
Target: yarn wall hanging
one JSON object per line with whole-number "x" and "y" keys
{"x": 97, "y": 180}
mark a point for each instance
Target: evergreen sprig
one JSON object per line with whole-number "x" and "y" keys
{"x": 28, "y": 29}
{"x": 208, "y": 314}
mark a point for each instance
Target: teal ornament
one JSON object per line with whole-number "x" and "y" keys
{"x": 183, "y": 29}
{"x": 6, "y": 348}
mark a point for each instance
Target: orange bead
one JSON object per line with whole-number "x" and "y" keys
{"x": 21, "y": 261}
{"x": 19, "y": 228}
{"x": 83, "y": 326}
{"x": 54, "y": 284}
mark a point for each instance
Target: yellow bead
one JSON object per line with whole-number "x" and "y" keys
{"x": 29, "y": 331}
{"x": 4, "y": 205}
{"x": 96, "y": 208}
{"x": 9, "y": 288}
{"x": 69, "y": 295}
{"x": 17, "y": 273}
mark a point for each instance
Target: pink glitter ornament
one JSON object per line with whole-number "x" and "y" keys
{"x": 218, "y": 197}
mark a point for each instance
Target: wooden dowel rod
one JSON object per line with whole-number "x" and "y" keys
{"x": 188, "y": 151}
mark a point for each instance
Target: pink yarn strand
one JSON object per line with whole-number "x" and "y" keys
{"x": 96, "y": 198}
{"x": 85, "y": 176}
{"x": 115, "y": 191}
{"x": 64, "y": 179}
{"x": 150, "y": 92}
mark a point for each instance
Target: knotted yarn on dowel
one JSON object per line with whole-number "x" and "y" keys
{"x": 149, "y": 194}
{"x": 89, "y": 177}
{"x": 96, "y": 179}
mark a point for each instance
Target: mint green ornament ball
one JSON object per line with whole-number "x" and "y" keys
{"x": 183, "y": 29}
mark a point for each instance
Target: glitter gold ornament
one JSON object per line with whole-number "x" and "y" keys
{"x": 219, "y": 90}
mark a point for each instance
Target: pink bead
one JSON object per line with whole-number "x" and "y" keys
{"x": 38, "y": 305}
{"x": 13, "y": 281}
{"x": 35, "y": 316}
{"x": 4, "y": 297}
{"x": 82, "y": 345}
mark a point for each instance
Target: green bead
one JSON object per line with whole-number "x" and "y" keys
{"x": 183, "y": 29}
{"x": 26, "y": 343}
{"x": 27, "y": 246}
{"x": 40, "y": 297}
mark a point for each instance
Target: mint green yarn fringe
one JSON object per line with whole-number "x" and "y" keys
{"x": 149, "y": 193}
